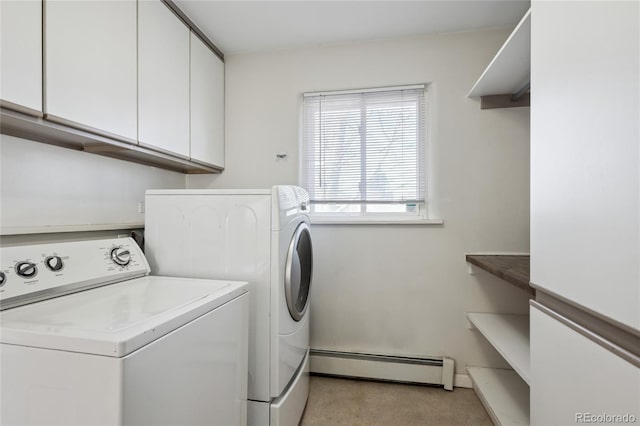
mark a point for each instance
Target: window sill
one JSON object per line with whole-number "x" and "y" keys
{"x": 355, "y": 220}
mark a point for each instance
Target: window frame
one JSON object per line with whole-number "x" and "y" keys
{"x": 422, "y": 214}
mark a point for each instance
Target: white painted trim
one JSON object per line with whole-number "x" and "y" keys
{"x": 462, "y": 381}
{"x": 497, "y": 253}
{"x": 372, "y": 221}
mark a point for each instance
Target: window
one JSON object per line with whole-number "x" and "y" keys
{"x": 363, "y": 152}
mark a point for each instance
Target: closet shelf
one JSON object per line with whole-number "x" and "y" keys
{"x": 509, "y": 72}
{"x": 503, "y": 393}
{"x": 509, "y": 335}
{"x": 513, "y": 269}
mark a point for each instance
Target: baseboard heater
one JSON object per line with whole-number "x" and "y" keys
{"x": 432, "y": 371}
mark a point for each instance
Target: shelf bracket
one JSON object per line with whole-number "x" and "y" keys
{"x": 504, "y": 101}
{"x": 520, "y": 93}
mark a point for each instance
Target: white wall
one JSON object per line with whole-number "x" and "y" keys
{"x": 46, "y": 186}
{"x": 395, "y": 289}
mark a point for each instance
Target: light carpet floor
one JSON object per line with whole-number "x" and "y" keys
{"x": 336, "y": 402}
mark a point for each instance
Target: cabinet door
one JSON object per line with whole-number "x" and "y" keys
{"x": 91, "y": 65}
{"x": 163, "y": 79}
{"x": 207, "y": 104}
{"x": 21, "y": 54}
{"x": 585, "y": 154}
{"x": 575, "y": 379}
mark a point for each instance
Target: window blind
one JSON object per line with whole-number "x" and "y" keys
{"x": 364, "y": 147}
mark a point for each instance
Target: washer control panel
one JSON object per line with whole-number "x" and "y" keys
{"x": 37, "y": 272}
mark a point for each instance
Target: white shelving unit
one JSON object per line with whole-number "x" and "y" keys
{"x": 510, "y": 69}
{"x": 509, "y": 335}
{"x": 503, "y": 393}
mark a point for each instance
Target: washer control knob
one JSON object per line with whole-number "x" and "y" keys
{"x": 121, "y": 256}
{"x": 26, "y": 269}
{"x": 54, "y": 263}
{"x": 3, "y": 278}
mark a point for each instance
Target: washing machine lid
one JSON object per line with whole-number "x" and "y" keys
{"x": 117, "y": 319}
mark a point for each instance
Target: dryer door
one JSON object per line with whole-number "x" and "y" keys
{"x": 298, "y": 269}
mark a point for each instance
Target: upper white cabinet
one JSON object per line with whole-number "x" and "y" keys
{"x": 585, "y": 155}
{"x": 21, "y": 54}
{"x": 163, "y": 79}
{"x": 125, "y": 79}
{"x": 91, "y": 72}
{"x": 207, "y": 104}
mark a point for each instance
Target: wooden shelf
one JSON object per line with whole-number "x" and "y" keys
{"x": 514, "y": 269}
{"x": 509, "y": 334}
{"x": 510, "y": 70}
{"x": 503, "y": 394}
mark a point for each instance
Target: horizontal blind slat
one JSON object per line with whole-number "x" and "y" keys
{"x": 364, "y": 147}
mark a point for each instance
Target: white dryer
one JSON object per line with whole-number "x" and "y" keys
{"x": 260, "y": 236}
{"x": 88, "y": 338}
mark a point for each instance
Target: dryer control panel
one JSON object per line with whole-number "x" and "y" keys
{"x": 38, "y": 272}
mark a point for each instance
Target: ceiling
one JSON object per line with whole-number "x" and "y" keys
{"x": 252, "y": 26}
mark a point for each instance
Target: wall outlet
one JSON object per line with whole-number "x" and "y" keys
{"x": 141, "y": 207}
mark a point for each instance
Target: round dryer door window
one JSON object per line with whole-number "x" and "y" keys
{"x": 298, "y": 269}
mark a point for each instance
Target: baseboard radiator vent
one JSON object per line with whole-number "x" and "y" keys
{"x": 432, "y": 371}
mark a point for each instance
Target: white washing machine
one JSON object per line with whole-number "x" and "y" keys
{"x": 87, "y": 338}
{"x": 259, "y": 236}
